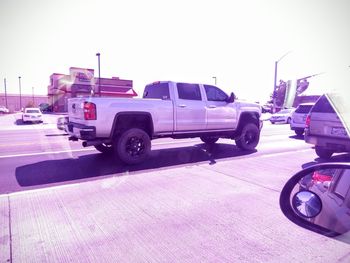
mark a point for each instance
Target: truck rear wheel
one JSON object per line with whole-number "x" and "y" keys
{"x": 104, "y": 148}
{"x": 209, "y": 140}
{"x": 133, "y": 146}
{"x": 249, "y": 137}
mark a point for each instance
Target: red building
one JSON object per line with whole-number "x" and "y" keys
{"x": 80, "y": 83}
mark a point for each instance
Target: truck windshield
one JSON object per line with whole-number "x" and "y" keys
{"x": 157, "y": 91}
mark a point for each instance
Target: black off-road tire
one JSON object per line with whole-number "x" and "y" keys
{"x": 133, "y": 146}
{"x": 299, "y": 132}
{"x": 105, "y": 148}
{"x": 323, "y": 152}
{"x": 249, "y": 137}
{"x": 209, "y": 140}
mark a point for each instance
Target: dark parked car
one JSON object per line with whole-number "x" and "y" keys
{"x": 45, "y": 107}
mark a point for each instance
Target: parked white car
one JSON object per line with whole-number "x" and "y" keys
{"x": 32, "y": 115}
{"x": 283, "y": 116}
{"x": 3, "y": 109}
{"x": 62, "y": 122}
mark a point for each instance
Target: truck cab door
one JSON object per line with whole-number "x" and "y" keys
{"x": 220, "y": 113}
{"x": 190, "y": 112}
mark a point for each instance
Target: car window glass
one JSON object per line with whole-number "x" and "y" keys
{"x": 284, "y": 111}
{"x": 303, "y": 109}
{"x": 189, "y": 91}
{"x": 342, "y": 186}
{"x": 215, "y": 94}
{"x": 323, "y": 106}
{"x": 157, "y": 91}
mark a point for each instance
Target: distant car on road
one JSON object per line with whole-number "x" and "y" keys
{"x": 283, "y": 116}
{"x": 3, "y": 109}
{"x": 298, "y": 121}
{"x": 32, "y": 115}
{"x": 62, "y": 122}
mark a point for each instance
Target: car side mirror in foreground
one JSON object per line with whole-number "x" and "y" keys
{"x": 318, "y": 199}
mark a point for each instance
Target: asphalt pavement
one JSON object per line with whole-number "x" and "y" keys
{"x": 207, "y": 212}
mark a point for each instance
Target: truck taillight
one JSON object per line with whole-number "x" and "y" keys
{"x": 307, "y": 121}
{"x": 89, "y": 111}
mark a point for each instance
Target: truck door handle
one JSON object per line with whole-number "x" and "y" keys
{"x": 182, "y": 106}
{"x": 212, "y": 106}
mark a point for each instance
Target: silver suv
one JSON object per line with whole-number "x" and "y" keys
{"x": 299, "y": 116}
{"x": 325, "y": 130}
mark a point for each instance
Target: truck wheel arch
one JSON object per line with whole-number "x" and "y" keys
{"x": 127, "y": 120}
{"x": 247, "y": 117}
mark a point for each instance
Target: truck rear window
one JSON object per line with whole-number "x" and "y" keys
{"x": 323, "y": 106}
{"x": 188, "y": 91}
{"x": 303, "y": 109}
{"x": 157, "y": 91}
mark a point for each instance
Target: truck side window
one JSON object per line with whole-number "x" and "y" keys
{"x": 157, "y": 91}
{"x": 214, "y": 93}
{"x": 189, "y": 91}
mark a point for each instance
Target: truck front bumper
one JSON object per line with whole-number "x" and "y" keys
{"x": 81, "y": 131}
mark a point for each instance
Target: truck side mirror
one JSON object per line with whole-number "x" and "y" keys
{"x": 231, "y": 99}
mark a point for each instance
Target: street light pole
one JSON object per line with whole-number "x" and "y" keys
{"x": 99, "y": 74}
{"x": 33, "y": 96}
{"x": 274, "y": 82}
{"x": 214, "y": 80}
{"x": 5, "y": 92}
{"x": 20, "y": 93}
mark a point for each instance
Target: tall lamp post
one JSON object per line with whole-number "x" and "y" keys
{"x": 5, "y": 92}
{"x": 99, "y": 74}
{"x": 275, "y": 84}
{"x": 214, "y": 80}
{"x": 20, "y": 93}
{"x": 33, "y": 95}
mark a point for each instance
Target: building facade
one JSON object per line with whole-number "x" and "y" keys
{"x": 15, "y": 102}
{"x": 81, "y": 82}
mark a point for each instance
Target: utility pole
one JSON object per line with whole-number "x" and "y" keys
{"x": 99, "y": 74}
{"x": 33, "y": 96}
{"x": 5, "y": 92}
{"x": 20, "y": 93}
{"x": 275, "y": 84}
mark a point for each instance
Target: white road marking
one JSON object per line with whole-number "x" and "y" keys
{"x": 43, "y": 153}
{"x": 79, "y": 150}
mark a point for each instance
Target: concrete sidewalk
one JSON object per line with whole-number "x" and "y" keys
{"x": 186, "y": 214}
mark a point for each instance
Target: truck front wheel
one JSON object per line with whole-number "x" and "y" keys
{"x": 249, "y": 137}
{"x": 133, "y": 146}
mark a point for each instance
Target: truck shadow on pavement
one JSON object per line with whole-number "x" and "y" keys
{"x": 297, "y": 137}
{"x": 97, "y": 165}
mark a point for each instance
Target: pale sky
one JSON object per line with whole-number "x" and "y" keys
{"x": 238, "y": 42}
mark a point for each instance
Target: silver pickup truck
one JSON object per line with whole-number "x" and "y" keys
{"x": 126, "y": 126}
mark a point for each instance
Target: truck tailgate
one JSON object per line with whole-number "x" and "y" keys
{"x": 76, "y": 109}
